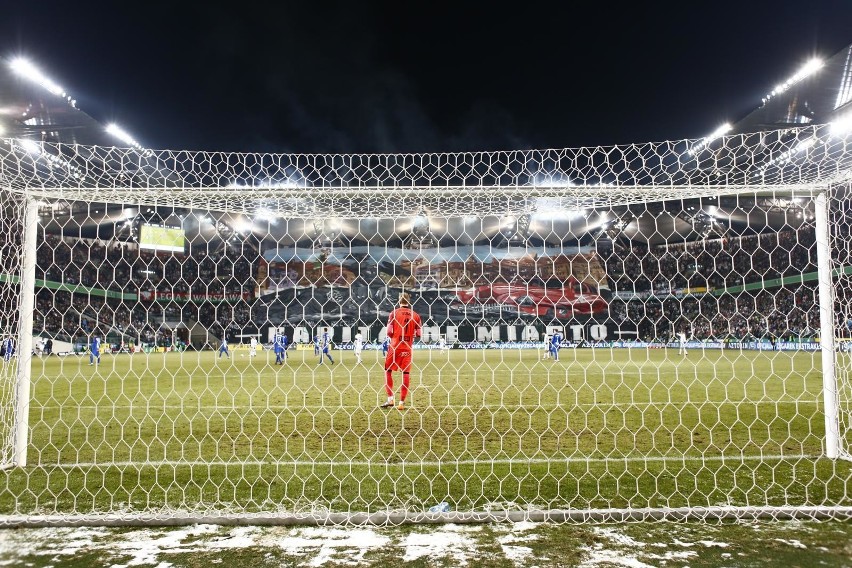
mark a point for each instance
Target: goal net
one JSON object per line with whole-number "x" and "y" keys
{"x": 655, "y": 330}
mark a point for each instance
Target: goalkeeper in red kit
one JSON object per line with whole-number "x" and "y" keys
{"x": 403, "y": 326}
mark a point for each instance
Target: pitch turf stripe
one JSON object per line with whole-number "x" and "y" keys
{"x": 518, "y": 462}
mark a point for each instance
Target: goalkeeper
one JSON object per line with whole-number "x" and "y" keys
{"x": 403, "y": 326}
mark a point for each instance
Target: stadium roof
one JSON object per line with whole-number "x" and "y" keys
{"x": 30, "y": 111}
{"x": 36, "y": 111}
{"x": 818, "y": 93}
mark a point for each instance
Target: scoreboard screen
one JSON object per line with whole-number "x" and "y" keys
{"x": 153, "y": 237}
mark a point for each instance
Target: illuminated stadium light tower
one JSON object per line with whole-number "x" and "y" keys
{"x": 125, "y": 137}
{"x": 25, "y": 69}
{"x": 707, "y": 140}
{"x": 842, "y": 126}
{"x": 808, "y": 69}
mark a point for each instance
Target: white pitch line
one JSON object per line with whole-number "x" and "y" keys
{"x": 519, "y": 461}
{"x": 531, "y": 406}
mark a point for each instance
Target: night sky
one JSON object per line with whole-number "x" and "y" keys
{"x": 420, "y": 76}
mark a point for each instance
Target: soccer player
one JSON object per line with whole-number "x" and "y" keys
{"x": 280, "y": 346}
{"x": 385, "y": 346}
{"x": 326, "y": 347}
{"x": 681, "y": 336}
{"x": 223, "y": 348}
{"x": 8, "y": 349}
{"x": 547, "y": 344}
{"x": 555, "y": 345}
{"x": 317, "y": 345}
{"x": 358, "y": 346}
{"x": 253, "y": 347}
{"x": 403, "y": 326}
{"x": 95, "y": 350}
{"x": 442, "y": 344}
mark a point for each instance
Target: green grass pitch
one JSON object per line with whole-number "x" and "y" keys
{"x": 484, "y": 429}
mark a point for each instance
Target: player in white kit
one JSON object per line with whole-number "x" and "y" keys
{"x": 358, "y": 347}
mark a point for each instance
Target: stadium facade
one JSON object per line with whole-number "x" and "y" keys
{"x": 734, "y": 244}
{"x": 473, "y": 276}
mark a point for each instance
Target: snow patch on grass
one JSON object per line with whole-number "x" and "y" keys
{"x": 617, "y": 537}
{"x": 329, "y": 544}
{"x": 451, "y": 541}
{"x": 713, "y": 544}
{"x": 615, "y": 552}
{"x": 791, "y": 542}
{"x": 508, "y": 542}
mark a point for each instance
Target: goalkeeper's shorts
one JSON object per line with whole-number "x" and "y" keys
{"x": 398, "y": 359}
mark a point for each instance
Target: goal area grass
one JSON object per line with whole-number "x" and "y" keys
{"x": 484, "y": 430}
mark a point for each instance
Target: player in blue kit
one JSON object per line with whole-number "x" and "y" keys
{"x": 555, "y": 345}
{"x": 326, "y": 347}
{"x": 223, "y": 348}
{"x": 95, "y": 350}
{"x": 385, "y": 346}
{"x": 317, "y": 346}
{"x": 279, "y": 344}
{"x": 8, "y": 348}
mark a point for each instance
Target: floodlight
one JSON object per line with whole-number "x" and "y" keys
{"x": 808, "y": 69}
{"x": 122, "y": 135}
{"x": 265, "y": 214}
{"x": 29, "y": 71}
{"x": 243, "y": 226}
{"x": 551, "y": 179}
{"x": 842, "y": 126}
{"x": 30, "y": 146}
{"x": 718, "y": 133}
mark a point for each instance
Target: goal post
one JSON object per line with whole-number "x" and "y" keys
{"x": 25, "y": 332}
{"x": 827, "y": 328}
{"x": 654, "y": 331}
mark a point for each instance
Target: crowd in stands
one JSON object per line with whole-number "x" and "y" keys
{"x": 673, "y": 287}
{"x": 213, "y": 287}
{"x": 783, "y": 313}
{"x": 661, "y": 290}
{"x": 124, "y": 267}
{"x": 713, "y": 263}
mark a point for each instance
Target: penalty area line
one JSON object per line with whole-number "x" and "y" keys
{"x": 320, "y": 407}
{"x": 433, "y": 463}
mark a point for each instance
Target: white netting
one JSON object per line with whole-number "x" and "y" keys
{"x": 11, "y": 226}
{"x": 681, "y": 277}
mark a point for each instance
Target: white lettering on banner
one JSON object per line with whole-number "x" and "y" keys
{"x": 598, "y": 332}
{"x": 383, "y": 333}
{"x": 530, "y": 333}
{"x": 488, "y": 333}
{"x": 452, "y": 334}
{"x": 511, "y": 333}
{"x": 365, "y": 333}
{"x": 577, "y": 332}
{"x": 551, "y": 330}
{"x": 346, "y": 334}
{"x": 431, "y": 333}
{"x": 301, "y": 335}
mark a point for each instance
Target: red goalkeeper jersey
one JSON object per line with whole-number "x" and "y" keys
{"x": 403, "y": 326}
